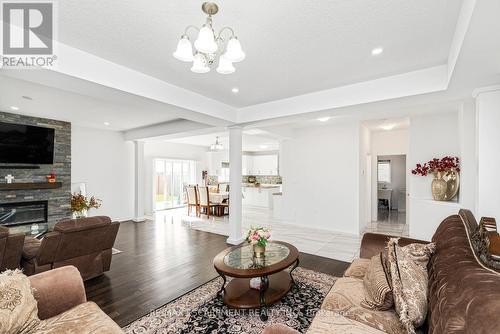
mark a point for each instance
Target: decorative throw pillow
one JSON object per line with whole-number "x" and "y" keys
{"x": 408, "y": 267}
{"x": 18, "y": 307}
{"x": 358, "y": 268}
{"x": 378, "y": 292}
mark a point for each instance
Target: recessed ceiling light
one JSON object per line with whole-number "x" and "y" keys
{"x": 388, "y": 126}
{"x": 106, "y": 123}
{"x": 263, "y": 146}
{"x": 323, "y": 119}
{"x": 14, "y": 108}
{"x": 235, "y": 90}
{"x": 377, "y": 51}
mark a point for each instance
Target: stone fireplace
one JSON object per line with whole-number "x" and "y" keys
{"x": 56, "y": 199}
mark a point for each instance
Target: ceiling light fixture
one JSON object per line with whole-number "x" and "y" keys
{"x": 235, "y": 90}
{"x": 323, "y": 119}
{"x": 209, "y": 46}
{"x": 263, "y": 147}
{"x": 106, "y": 123}
{"x": 14, "y": 108}
{"x": 377, "y": 51}
{"x": 387, "y": 126}
{"x": 217, "y": 146}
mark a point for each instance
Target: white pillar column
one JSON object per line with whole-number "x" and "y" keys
{"x": 488, "y": 157}
{"x": 139, "y": 181}
{"x": 235, "y": 179}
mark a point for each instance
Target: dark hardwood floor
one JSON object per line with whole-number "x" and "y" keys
{"x": 162, "y": 261}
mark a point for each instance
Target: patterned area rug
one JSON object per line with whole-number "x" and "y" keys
{"x": 200, "y": 311}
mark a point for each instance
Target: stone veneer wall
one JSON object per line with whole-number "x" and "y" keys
{"x": 58, "y": 199}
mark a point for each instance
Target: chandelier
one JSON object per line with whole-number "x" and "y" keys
{"x": 209, "y": 46}
{"x": 217, "y": 146}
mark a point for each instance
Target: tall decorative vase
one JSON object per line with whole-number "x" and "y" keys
{"x": 439, "y": 187}
{"x": 258, "y": 250}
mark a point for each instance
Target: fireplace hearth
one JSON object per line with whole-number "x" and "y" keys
{"x": 23, "y": 213}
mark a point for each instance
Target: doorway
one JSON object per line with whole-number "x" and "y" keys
{"x": 170, "y": 178}
{"x": 391, "y": 190}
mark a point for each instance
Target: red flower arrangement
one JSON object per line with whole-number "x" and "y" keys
{"x": 434, "y": 166}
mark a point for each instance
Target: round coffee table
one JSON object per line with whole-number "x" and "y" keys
{"x": 240, "y": 263}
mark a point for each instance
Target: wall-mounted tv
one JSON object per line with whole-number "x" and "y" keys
{"x": 26, "y": 144}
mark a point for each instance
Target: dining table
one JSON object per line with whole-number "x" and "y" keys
{"x": 218, "y": 198}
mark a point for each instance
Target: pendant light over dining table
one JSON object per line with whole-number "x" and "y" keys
{"x": 210, "y": 48}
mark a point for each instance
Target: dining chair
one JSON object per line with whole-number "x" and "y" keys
{"x": 192, "y": 198}
{"x": 204, "y": 200}
{"x": 225, "y": 206}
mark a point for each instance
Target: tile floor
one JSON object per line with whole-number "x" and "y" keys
{"x": 335, "y": 245}
{"x": 389, "y": 222}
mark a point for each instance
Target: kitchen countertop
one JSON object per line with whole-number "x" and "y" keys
{"x": 261, "y": 186}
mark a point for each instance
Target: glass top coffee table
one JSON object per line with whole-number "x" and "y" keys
{"x": 240, "y": 263}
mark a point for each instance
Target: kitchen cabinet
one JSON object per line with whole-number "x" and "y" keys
{"x": 258, "y": 197}
{"x": 246, "y": 165}
{"x": 260, "y": 164}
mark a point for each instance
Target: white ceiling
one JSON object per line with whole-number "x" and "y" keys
{"x": 122, "y": 111}
{"x": 293, "y": 47}
{"x": 251, "y": 142}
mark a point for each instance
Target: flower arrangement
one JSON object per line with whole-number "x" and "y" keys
{"x": 81, "y": 204}
{"x": 446, "y": 180}
{"x": 258, "y": 236}
{"x": 444, "y": 165}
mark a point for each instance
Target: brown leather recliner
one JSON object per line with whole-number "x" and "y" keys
{"x": 11, "y": 248}
{"x": 85, "y": 243}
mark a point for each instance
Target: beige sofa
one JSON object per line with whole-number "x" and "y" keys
{"x": 63, "y": 307}
{"x": 463, "y": 297}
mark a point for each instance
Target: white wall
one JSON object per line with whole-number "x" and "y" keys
{"x": 468, "y": 155}
{"x": 394, "y": 142}
{"x": 488, "y": 152}
{"x": 364, "y": 178}
{"x": 105, "y": 163}
{"x": 431, "y": 136}
{"x": 320, "y": 169}
{"x": 171, "y": 151}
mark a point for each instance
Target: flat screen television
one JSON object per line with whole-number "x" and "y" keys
{"x": 26, "y": 144}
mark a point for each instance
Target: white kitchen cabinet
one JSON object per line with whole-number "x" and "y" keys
{"x": 260, "y": 164}
{"x": 246, "y": 165}
{"x": 258, "y": 197}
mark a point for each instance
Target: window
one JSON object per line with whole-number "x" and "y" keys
{"x": 384, "y": 171}
{"x": 170, "y": 177}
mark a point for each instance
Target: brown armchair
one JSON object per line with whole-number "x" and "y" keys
{"x": 11, "y": 247}
{"x": 85, "y": 243}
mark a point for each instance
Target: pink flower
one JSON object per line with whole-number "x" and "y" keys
{"x": 255, "y": 237}
{"x": 267, "y": 235}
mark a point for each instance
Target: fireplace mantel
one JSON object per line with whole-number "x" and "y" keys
{"x": 30, "y": 185}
